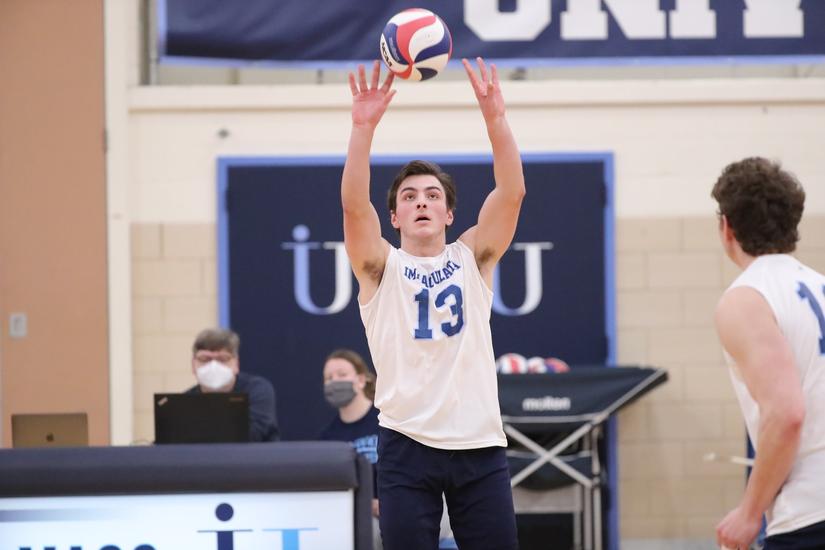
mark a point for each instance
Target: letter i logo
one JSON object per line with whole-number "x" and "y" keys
{"x": 301, "y": 270}
{"x": 226, "y": 539}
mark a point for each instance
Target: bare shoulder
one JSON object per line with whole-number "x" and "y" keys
{"x": 747, "y": 326}
{"x": 740, "y": 305}
{"x": 750, "y": 333}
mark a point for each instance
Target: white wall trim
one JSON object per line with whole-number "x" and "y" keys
{"x": 544, "y": 93}
{"x": 120, "y": 47}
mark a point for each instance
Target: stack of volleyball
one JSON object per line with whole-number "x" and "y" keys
{"x": 416, "y": 44}
{"x": 514, "y": 363}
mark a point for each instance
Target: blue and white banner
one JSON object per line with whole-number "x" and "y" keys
{"x": 287, "y": 287}
{"x": 233, "y": 521}
{"x": 522, "y": 32}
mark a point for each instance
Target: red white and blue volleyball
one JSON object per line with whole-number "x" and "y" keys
{"x": 416, "y": 44}
{"x": 511, "y": 363}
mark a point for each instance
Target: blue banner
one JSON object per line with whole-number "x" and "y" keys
{"x": 521, "y": 32}
{"x": 287, "y": 287}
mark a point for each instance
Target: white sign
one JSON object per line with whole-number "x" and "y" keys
{"x": 226, "y": 521}
{"x": 637, "y": 19}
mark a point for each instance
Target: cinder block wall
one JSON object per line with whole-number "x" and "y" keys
{"x": 174, "y": 295}
{"x": 669, "y": 275}
{"x": 670, "y": 140}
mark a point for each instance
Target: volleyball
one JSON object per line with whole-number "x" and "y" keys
{"x": 554, "y": 364}
{"x": 511, "y": 363}
{"x": 416, "y": 44}
{"x": 536, "y": 365}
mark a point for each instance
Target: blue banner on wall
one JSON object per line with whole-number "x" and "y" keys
{"x": 287, "y": 287}
{"x": 522, "y": 32}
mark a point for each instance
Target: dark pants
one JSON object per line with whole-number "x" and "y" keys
{"x": 811, "y": 537}
{"x": 475, "y": 484}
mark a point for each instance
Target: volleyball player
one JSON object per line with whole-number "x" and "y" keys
{"x": 770, "y": 322}
{"x": 426, "y": 310}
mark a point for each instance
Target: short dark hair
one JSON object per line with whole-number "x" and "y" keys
{"x": 354, "y": 358}
{"x": 217, "y": 339}
{"x": 418, "y": 168}
{"x": 763, "y": 205}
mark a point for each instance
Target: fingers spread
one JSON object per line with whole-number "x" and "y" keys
{"x": 466, "y": 65}
{"x": 362, "y": 78}
{"x": 376, "y": 75}
{"x": 389, "y": 96}
{"x": 388, "y": 82}
{"x": 472, "y": 75}
{"x": 483, "y": 69}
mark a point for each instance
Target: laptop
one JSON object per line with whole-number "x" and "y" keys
{"x": 201, "y": 417}
{"x": 49, "y": 430}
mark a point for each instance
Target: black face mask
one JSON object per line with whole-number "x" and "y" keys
{"x": 339, "y": 393}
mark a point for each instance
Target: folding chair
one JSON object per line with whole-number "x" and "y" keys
{"x": 571, "y": 406}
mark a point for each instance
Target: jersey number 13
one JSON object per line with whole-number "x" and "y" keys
{"x": 451, "y": 328}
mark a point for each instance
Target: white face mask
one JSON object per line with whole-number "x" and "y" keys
{"x": 214, "y": 375}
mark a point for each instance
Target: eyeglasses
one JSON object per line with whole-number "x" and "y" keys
{"x": 204, "y": 357}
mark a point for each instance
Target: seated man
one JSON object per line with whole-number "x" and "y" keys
{"x": 215, "y": 365}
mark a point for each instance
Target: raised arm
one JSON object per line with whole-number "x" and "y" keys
{"x": 497, "y": 219}
{"x": 362, "y": 230}
{"x": 749, "y": 333}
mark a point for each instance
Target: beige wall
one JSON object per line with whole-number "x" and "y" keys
{"x": 174, "y": 297}
{"x": 670, "y": 140}
{"x": 670, "y": 273}
{"x": 53, "y": 211}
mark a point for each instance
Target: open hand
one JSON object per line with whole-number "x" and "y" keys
{"x": 487, "y": 89}
{"x": 370, "y": 102}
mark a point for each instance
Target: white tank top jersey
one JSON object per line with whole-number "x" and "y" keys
{"x": 428, "y": 329}
{"x": 796, "y": 294}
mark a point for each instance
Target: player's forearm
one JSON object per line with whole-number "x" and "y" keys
{"x": 779, "y": 433}
{"x": 507, "y": 166}
{"x": 355, "y": 182}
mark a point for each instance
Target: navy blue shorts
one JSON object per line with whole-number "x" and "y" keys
{"x": 475, "y": 483}
{"x": 811, "y": 537}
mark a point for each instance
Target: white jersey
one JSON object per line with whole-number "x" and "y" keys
{"x": 428, "y": 329}
{"x": 796, "y": 294}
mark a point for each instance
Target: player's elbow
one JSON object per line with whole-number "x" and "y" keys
{"x": 354, "y": 209}
{"x": 795, "y": 418}
{"x": 789, "y": 417}
{"x": 348, "y": 200}
{"x": 516, "y": 195}
{"x": 793, "y": 423}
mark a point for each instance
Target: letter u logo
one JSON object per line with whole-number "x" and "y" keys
{"x": 301, "y": 272}
{"x": 533, "y": 288}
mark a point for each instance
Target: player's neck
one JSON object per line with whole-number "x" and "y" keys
{"x": 356, "y": 409}
{"x": 741, "y": 258}
{"x": 425, "y": 248}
